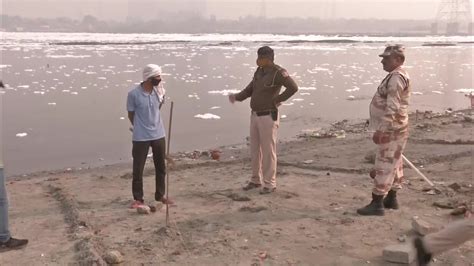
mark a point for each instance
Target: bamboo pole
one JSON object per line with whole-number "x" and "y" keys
{"x": 417, "y": 171}
{"x": 167, "y": 170}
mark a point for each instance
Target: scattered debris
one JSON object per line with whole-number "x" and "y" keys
{"x": 238, "y": 197}
{"x": 216, "y": 154}
{"x": 322, "y": 134}
{"x": 253, "y": 209}
{"x": 113, "y": 257}
{"x": 144, "y": 209}
{"x": 455, "y": 186}
{"x": 370, "y": 157}
{"x": 402, "y": 238}
{"x": 446, "y": 204}
{"x": 460, "y": 210}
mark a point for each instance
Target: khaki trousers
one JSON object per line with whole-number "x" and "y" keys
{"x": 263, "y": 136}
{"x": 453, "y": 235}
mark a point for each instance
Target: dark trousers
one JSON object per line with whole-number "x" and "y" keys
{"x": 139, "y": 153}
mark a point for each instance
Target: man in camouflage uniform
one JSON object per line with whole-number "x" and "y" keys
{"x": 264, "y": 91}
{"x": 389, "y": 119}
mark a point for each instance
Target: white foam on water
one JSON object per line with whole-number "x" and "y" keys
{"x": 307, "y": 88}
{"x": 304, "y": 93}
{"x": 21, "y": 135}
{"x": 207, "y": 116}
{"x": 5, "y": 66}
{"x": 223, "y": 92}
{"x": 39, "y": 92}
{"x": 83, "y": 88}
{"x": 354, "y": 89}
{"x": 122, "y": 118}
{"x": 417, "y": 93}
{"x": 65, "y": 91}
{"x": 437, "y": 92}
{"x": 29, "y": 38}
{"x": 74, "y": 93}
{"x": 298, "y": 100}
{"x": 52, "y": 104}
{"x": 23, "y": 86}
{"x": 310, "y": 47}
{"x": 102, "y": 78}
{"x": 29, "y": 70}
{"x": 215, "y": 107}
{"x": 283, "y": 116}
{"x": 287, "y": 104}
{"x": 351, "y": 97}
{"x": 68, "y": 56}
{"x": 468, "y": 91}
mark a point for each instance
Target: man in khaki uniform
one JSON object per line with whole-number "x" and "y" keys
{"x": 451, "y": 236}
{"x": 389, "y": 119}
{"x": 264, "y": 91}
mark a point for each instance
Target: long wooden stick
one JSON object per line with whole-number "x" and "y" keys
{"x": 167, "y": 170}
{"x": 417, "y": 171}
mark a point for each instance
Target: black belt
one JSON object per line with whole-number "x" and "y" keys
{"x": 262, "y": 113}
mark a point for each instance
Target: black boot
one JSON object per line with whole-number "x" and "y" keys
{"x": 390, "y": 201}
{"x": 422, "y": 255}
{"x": 374, "y": 208}
{"x": 13, "y": 243}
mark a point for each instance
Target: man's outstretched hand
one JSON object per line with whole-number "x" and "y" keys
{"x": 232, "y": 98}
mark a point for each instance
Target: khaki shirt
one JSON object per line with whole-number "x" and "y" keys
{"x": 389, "y": 106}
{"x": 265, "y": 87}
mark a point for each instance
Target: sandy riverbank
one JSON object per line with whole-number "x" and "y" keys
{"x": 76, "y": 217}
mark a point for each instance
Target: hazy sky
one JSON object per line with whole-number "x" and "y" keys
{"x": 120, "y": 9}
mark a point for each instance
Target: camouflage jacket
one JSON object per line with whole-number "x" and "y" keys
{"x": 389, "y": 106}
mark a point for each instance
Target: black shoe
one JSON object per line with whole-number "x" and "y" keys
{"x": 423, "y": 257}
{"x": 251, "y": 185}
{"x": 374, "y": 208}
{"x": 390, "y": 201}
{"x": 13, "y": 243}
{"x": 267, "y": 190}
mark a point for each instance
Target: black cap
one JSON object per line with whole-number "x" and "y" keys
{"x": 265, "y": 52}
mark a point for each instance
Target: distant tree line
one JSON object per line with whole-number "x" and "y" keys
{"x": 199, "y": 24}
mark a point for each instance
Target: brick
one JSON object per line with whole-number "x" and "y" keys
{"x": 401, "y": 253}
{"x": 421, "y": 226}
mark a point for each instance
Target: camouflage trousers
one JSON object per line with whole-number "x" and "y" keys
{"x": 389, "y": 164}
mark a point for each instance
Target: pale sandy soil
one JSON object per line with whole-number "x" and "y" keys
{"x": 76, "y": 217}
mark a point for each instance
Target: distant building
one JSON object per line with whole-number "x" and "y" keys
{"x": 143, "y": 10}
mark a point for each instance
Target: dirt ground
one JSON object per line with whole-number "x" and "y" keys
{"x": 76, "y": 217}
